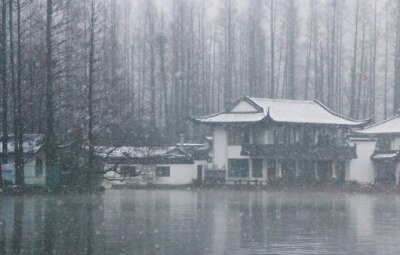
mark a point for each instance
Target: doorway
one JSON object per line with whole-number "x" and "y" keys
{"x": 199, "y": 174}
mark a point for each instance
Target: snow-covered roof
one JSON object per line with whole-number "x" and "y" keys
{"x": 389, "y": 126}
{"x": 31, "y": 143}
{"x": 209, "y": 138}
{"x": 385, "y": 155}
{"x": 228, "y": 117}
{"x": 282, "y": 110}
{"x": 190, "y": 145}
{"x": 138, "y": 152}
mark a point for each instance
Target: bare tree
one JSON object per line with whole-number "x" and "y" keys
{"x": 90, "y": 94}
{"x": 354, "y": 69}
{"x": 50, "y": 134}
{"x": 3, "y": 68}
{"x": 396, "y": 88}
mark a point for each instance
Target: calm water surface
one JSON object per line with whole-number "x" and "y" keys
{"x": 201, "y": 222}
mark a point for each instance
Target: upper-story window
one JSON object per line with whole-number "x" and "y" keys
{"x": 238, "y": 136}
{"x": 325, "y": 137}
{"x": 305, "y": 136}
{"x": 308, "y": 136}
{"x": 384, "y": 144}
{"x": 128, "y": 171}
{"x": 258, "y": 136}
{"x": 285, "y": 135}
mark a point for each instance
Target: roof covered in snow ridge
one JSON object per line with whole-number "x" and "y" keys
{"x": 143, "y": 155}
{"x": 389, "y": 126}
{"x": 31, "y": 143}
{"x": 249, "y": 109}
{"x": 138, "y": 152}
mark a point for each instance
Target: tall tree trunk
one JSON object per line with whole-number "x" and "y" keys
{"x": 331, "y": 63}
{"x": 3, "y": 69}
{"x": 396, "y": 88}
{"x": 20, "y": 129}
{"x": 228, "y": 54}
{"x": 360, "y": 82}
{"x": 19, "y": 175}
{"x": 90, "y": 96}
{"x": 272, "y": 85}
{"x": 50, "y": 135}
{"x": 354, "y": 70}
{"x": 150, "y": 18}
{"x": 373, "y": 71}
{"x": 163, "y": 76}
{"x": 308, "y": 57}
{"x": 386, "y": 62}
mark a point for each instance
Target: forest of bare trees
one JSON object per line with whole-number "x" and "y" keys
{"x": 133, "y": 71}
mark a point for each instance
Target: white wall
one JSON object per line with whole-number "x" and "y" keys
{"x": 220, "y": 148}
{"x": 243, "y": 106}
{"x": 398, "y": 173}
{"x": 396, "y": 143}
{"x": 30, "y": 177}
{"x": 179, "y": 175}
{"x": 234, "y": 152}
{"x": 362, "y": 168}
{"x": 30, "y": 173}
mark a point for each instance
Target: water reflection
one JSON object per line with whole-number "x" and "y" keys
{"x": 17, "y": 226}
{"x": 200, "y": 222}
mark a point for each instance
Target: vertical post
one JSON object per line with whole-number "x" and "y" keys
{"x": 334, "y": 170}
{"x": 182, "y": 141}
{"x": 278, "y": 169}
{"x": 316, "y": 170}
{"x": 265, "y": 169}
{"x": 250, "y": 168}
{"x": 316, "y": 137}
{"x": 297, "y": 168}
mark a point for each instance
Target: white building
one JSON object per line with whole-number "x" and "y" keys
{"x": 384, "y": 151}
{"x": 151, "y": 165}
{"x": 265, "y": 139}
{"x": 35, "y": 172}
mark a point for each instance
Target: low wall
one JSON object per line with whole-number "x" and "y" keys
{"x": 362, "y": 168}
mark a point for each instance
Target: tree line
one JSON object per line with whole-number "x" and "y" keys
{"x": 124, "y": 72}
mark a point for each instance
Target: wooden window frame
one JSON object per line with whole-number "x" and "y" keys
{"x": 238, "y": 168}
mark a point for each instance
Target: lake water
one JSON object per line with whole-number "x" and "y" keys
{"x": 200, "y": 222}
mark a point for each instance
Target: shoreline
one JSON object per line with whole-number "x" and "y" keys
{"x": 350, "y": 188}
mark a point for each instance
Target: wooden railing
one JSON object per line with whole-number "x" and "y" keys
{"x": 298, "y": 151}
{"x": 214, "y": 176}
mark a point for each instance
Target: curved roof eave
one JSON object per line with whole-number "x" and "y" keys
{"x": 360, "y": 123}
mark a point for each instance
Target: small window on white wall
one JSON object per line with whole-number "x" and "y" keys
{"x": 129, "y": 171}
{"x": 162, "y": 171}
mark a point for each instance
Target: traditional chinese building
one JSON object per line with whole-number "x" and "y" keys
{"x": 182, "y": 164}
{"x": 264, "y": 139}
{"x": 386, "y": 154}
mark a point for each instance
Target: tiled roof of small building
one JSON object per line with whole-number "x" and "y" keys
{"x": 389, "y": 126}
{"x": 137, "y": 152}
{"x": 31, "y": 143}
